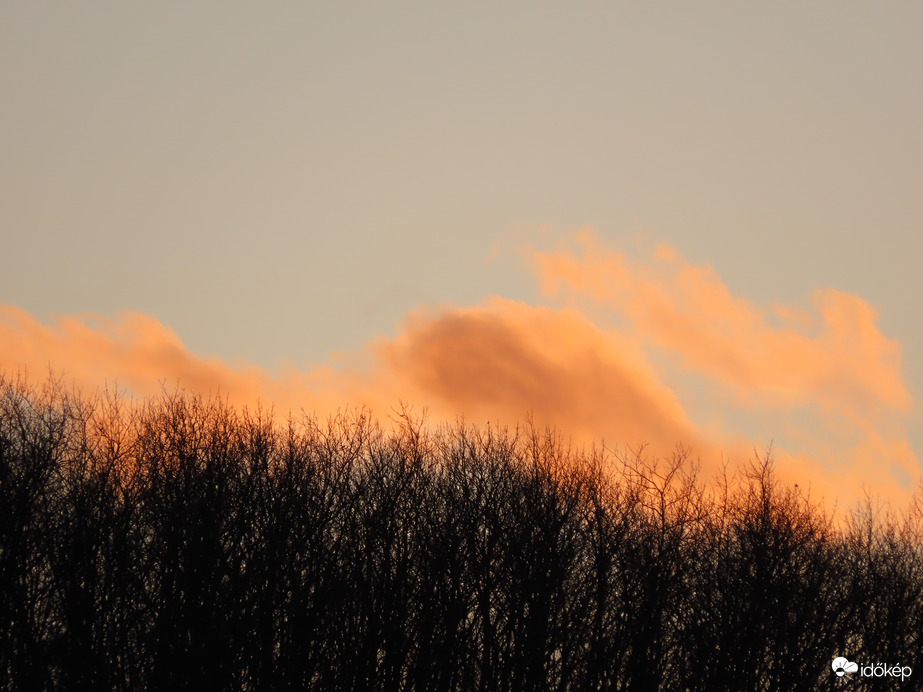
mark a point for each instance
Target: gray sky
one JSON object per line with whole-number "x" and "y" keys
{"x": 279, "y": 181}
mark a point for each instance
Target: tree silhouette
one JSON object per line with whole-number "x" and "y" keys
{"x": 181, "y": 543}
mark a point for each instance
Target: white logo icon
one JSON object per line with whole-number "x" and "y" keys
{"x": 841, "y": 666}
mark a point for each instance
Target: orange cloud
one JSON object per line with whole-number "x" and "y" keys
{"x": 503, "y": 359}
{"x": 137, "y": 351}
{"x": 499, "y": 361}
{"x": 831, "y": 357}
{"x": 839, "y": 358}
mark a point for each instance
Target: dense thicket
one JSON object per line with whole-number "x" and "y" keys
{"x": 183, "y": 544}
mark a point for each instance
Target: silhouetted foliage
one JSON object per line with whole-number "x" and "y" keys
{"x": 184, "y": 544}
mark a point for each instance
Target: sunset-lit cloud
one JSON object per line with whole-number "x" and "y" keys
{"x": 829, "y": 356}
{"x": 139, "y": 355}
{"x": 834, "y": 354}
{"x": 136, "y": 351}
{"x": 502, "y": 360}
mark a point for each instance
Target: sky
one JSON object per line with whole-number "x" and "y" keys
{"x": 652, "y": 223}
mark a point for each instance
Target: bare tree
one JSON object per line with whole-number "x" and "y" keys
{"x": 183, "y": 544}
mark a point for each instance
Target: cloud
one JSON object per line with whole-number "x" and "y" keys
{"x": 823, "y": 375}
{"x": 835, "y": 354}
{"x": 830, "y": 357}
{"x": 504, "y": 359}
{"x": 501, "y": 361}
{"x": 135, "y": 350}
